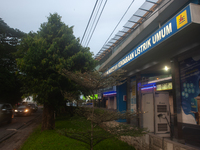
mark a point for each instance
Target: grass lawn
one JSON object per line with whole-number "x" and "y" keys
{"x": 51, "y": 140}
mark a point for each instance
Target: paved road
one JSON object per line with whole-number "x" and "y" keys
{"x": 14, "y": 134}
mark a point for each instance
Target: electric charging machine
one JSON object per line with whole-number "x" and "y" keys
{"x": 156, "y": 112}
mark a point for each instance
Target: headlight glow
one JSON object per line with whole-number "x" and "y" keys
{"x": 16, "y": 110}
{"x": 26, "y": 110}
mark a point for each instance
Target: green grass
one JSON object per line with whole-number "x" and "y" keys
{"x": 51, "y": 140}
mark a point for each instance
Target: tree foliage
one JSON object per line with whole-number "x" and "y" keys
{"x": 45, "y": 53}
{"x": 94, "y": 80}
{"x": 9, "y": 83}
{"x": 105, "y": 119}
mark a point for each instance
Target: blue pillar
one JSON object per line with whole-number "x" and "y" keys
{"x": 121, "y": 105}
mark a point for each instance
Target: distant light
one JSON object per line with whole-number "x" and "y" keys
{"x": 166, "y": 68}
{"x": 157, "y": 78}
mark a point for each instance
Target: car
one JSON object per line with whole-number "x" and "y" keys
{"x": 6, "y": 113}
{"x": 33, "y": 107}
{"x": 23, "y": 110}
{"x": 71, "y": 104}
{"x": 89, "y": 104}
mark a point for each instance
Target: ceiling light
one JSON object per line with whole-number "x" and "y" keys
{"x": 166, "y": 68}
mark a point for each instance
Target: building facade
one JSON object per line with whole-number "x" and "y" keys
{"x": 161, "y": 53}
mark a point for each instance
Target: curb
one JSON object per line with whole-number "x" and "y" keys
{"x": 20, "y": 127}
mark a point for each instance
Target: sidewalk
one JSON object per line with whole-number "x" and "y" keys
{"x": 152, "y": 141}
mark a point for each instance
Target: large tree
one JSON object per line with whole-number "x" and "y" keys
{"x": 43, "y": 55}
{"x": 9, "y": 83}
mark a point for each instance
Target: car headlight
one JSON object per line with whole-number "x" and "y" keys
{"x": 16, "y": 110}
{"x": 26, "y": 110}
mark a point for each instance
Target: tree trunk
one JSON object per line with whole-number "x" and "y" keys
{"x": 92, "y": 125}
{"x": 92, "y": 129}
{"x": 48, "y": 121}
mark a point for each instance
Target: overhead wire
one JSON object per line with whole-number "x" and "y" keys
{"x": 95, "y": 17}
{"x": 97, "y": 22}
{"x": 89, "y": 20}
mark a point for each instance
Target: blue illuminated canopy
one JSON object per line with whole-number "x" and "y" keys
{"x": 110, "y": 93}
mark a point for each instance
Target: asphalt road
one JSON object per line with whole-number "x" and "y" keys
{"x": 14, "y": 134}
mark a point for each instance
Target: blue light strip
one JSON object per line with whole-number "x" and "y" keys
{"x": 148, "y": 88}
{"x": 110, "y": 93}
